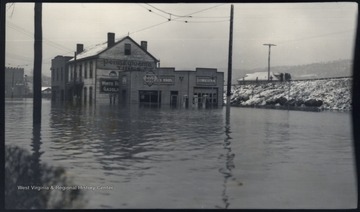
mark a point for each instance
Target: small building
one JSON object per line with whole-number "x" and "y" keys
{"x": 124, "y": 72}
{"x": 46, "y": 92}
{"x": 260, "y": 77}
{"x": 14, "y": 82}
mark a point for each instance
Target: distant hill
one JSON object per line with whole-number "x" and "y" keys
{"x": 338, "y": 68}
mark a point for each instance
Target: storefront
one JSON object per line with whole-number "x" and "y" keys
{"x": 166, "y": 86}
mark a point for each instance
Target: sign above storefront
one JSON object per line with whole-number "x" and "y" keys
{"x": 125, "y": 65}
{"x": 109, "y": 85}
{"x": 205, "y": 80}
{"x": 150, "y": 78}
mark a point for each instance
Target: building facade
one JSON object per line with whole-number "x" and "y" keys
{"x": 167, "y": 86}
{"x": 124, "y": 72}
{"x": 14, "y": 82}
{"x": 59, "y": 78}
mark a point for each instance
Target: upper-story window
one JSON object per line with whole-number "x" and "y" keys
{"x": 91, "y": 69}
{"x": 57, "y": 74}
{"x": 62, "y": 74}
{"x": 80, "y": 71}
{"x": 127, "y": 49}
{"x": 85, "y": 69}
{"x": 71, "y": 72}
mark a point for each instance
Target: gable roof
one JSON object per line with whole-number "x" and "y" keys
{"x": 102, "y": 47}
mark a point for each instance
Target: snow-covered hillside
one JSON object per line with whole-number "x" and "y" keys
{"x": 329, "y": 94}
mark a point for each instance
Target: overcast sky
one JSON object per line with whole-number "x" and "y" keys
{"x": 303, "y": 32}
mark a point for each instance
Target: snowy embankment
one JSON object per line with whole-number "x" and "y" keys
{"x": 325, "y": 94}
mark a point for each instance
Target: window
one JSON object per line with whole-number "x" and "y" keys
{"x": 80, "y": 71}
{"x": 57, "y": 74}
{"x": 62, "y": 74}
{"x": 75, "y": 72}
{"x": 85, "y": 70}
{"x": 91, "y": 69}
{"x": 150, "y": 96}
{"x": 90, "y": 94}
{"x": 85, "y": 94}
{"x": 71, "y": 72}
{"x": 127, "y": 49}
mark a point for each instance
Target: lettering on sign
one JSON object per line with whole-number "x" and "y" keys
{"x": 150, "y": 78}
{"x": 206, "y": 80}
{"x": 126, "y": 65}
{"x": 109, "y": 85}
{"x": 166, "y": 79}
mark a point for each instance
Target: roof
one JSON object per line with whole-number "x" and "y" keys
{"x": 258, "y": 75}
{"x": 100, "y": 48}
{"x": 45, "y": 88}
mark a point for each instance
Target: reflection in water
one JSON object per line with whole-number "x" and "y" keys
{"x": 29, "y": 184}
{"x": 229, "y": 160}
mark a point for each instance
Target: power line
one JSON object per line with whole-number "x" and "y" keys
{"x": 318, "y": 36}
{"x": 149, "y": 27}
{"x": 171, "y": 14}
{"x": 29, "y": 34}
{"x": 152, "y": 11}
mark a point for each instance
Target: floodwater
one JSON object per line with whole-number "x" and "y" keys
{"x": 194, "y": 158}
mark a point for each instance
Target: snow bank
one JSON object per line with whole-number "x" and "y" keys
{"x": 329, "y": 94}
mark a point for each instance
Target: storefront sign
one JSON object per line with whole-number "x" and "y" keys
{"x": 109, "y": 85}
{"x": 125, "y": 65}
{"x": 206, "y": 80}
{"x": 150, "y": 78}
{"x": 166, "y": 79}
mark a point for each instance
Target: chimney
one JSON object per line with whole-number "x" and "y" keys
{"x": 79, "y": 48}
{"x": 144, "y": 45}
{"x": 111, "y": 39}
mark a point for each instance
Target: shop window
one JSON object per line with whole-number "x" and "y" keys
{"x": 127, "y": 49}
{"x": 150, "y": 97}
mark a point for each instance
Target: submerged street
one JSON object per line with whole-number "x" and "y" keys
{"x": 148, "y": 157}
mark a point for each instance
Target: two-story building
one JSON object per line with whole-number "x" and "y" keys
{"x": 59, "y": 78}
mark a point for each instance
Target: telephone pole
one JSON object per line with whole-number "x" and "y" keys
{"x": 37, "y": 63}
{"x": 228, "y": 93}
{"x": 270, "y": 45}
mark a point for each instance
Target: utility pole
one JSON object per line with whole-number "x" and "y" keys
{"x": 37, "y": 63}
{"x": 229, "y": 75}
{"x": 270, "y": 45}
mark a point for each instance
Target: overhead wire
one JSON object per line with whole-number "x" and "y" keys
{"x": 29, "y": 34}
{"x": 180, "y": 17}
